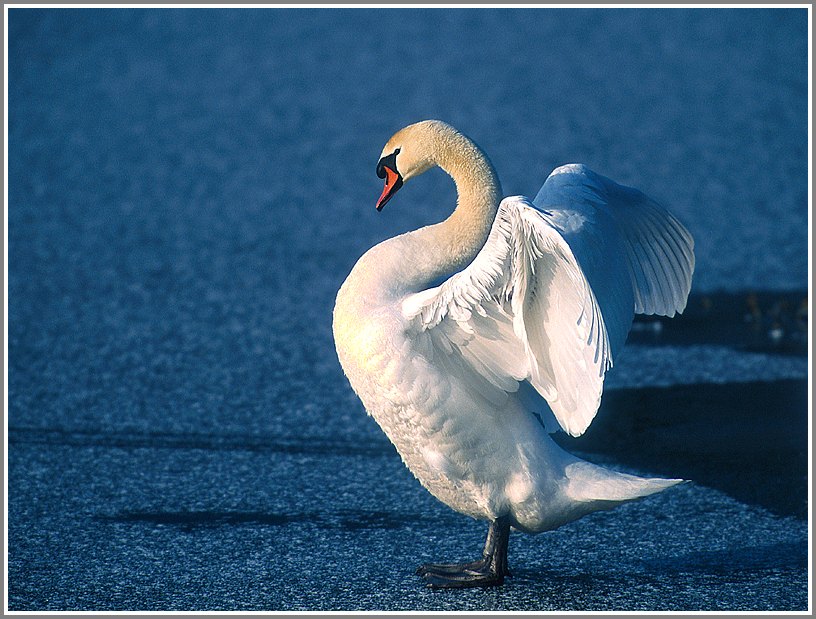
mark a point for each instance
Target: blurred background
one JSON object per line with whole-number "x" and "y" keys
{"x": 189, "y": 188}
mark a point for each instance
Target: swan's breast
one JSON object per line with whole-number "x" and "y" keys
{"x": 369, "y": 327}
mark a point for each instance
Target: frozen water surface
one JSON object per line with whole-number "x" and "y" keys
{"x": 187, "y": 191}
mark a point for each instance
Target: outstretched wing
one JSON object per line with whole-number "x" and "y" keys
{"x": 550, "y": 297}
{"x": 591, "y": 211}
{"x": 522, "y": 310}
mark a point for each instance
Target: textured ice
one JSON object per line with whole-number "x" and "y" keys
{"x": 282, "y": 114}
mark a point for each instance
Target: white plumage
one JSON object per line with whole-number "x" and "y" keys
{"x": 468, "y": 378}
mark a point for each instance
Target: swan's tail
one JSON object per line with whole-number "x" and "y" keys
{"x": 591, "y": 483}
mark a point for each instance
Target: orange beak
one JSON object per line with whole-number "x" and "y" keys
{"x": 393, "y": 181}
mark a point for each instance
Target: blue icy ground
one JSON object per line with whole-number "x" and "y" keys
{"x": 187, "y": 191}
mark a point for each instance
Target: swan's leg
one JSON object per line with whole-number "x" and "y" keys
{"x": 488, "y": 571}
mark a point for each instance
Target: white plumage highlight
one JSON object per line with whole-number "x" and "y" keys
{"x": 468, "y": 378}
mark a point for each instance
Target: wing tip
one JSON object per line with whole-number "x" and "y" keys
{"x": 571, "y": 168}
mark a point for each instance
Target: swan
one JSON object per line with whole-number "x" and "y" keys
{"x": 468, "y": 378}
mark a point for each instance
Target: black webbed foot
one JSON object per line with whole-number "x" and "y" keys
{"x": 449, "y": 568}
{"x": 488, "y": 571}
{"x": 451, "y": 576}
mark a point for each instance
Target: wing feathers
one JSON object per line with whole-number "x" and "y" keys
{"x": 523, "y": 310}
{"x": 659, "y": 250}
{"x": 526, "y": 308}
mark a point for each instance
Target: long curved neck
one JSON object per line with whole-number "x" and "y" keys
{"x": 413, "y": 261}
{"x": 452, "y": 244}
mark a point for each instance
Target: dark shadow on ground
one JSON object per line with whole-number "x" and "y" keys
{"x": 768, "y": 322}
{"x": 188, "y": 521}
{"x": 748, "y": 440}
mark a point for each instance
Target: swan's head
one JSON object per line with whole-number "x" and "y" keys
{"x": 409, "y": 152}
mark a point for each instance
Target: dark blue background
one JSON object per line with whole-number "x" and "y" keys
{"x": 187, "y": 191}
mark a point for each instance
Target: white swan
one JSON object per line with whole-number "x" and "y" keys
{"x": 469, "y": 378}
